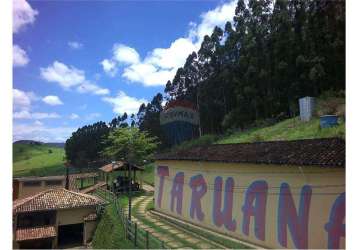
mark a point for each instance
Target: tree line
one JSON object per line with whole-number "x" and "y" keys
{"x": 256, "y": 68}
{"x": 260, "y": 64}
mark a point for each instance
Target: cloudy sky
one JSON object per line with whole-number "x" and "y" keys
{"x": 77, "y": 62}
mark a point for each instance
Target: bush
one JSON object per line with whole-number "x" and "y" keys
{"x": 50, "y": 151}
{"x": 331, "y": 106}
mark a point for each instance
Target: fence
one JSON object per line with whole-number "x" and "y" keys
{"x": 141, "y": 238}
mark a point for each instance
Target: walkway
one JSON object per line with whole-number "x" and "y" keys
{"x": 173, "y": 236}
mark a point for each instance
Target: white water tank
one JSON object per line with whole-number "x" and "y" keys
{"x": 307, "y": 105}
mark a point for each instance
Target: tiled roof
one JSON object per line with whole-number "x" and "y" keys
{"x": 112, "y": 166}
{"x": 328, "y": 152}
{"x": 90, "y": 217}
{"x": 35, "y": 233}
{"x": 54, "y": 199}
{"x": 118, "y": 165}
{"x": 40, "y": 178}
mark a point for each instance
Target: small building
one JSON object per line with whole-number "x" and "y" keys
{"x": 54, "y": 218}
{"x": 117, "y": 182}
{"x": 279, "y": 194}
{"x": 27, "y": 186}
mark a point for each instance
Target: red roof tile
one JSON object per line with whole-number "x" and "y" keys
{"x": 328, "y": 152}
{"x": 54, "y": 199}
{"x": 35, "y": 233}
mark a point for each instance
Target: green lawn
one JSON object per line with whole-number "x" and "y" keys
{"x": 109, "y": 233}
{"x": 148, "y": 174}
{"x": 39, "y": 160}
{"x": 290, "y": 129}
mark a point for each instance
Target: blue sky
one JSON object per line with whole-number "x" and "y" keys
{"x": 77, "y": 62}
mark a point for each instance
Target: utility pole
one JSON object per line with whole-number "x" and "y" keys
{"x": 130, "y": 157}
{"x": 197, "y": 102}
{"x": 198, "y": 106}
{"x": 130, "y": 192}
{"x": 67, "y": 179}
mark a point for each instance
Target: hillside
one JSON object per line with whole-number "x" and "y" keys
{"x": 289, "y": 129}
{"x": 35, "y": 159}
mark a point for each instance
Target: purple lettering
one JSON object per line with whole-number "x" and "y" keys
{"x": 257, "y": 192}
{"x": 199, "y": 188}
{"x": 177, "y": 192}
{"x": 287, "y": 216}
{"x": 162, "y": 171}
{"x": 335, "y": 227}
{"x": 224, "y": 216}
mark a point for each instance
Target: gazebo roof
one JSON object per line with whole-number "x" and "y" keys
{"x": 119, "y": 166}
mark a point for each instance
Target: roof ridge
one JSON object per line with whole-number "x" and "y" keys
{"x": 276, "y": 141}
{"x": 82, "y": 194}
{"x": 29, "y": 198}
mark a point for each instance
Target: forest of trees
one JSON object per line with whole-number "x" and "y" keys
{"x": 271, "y": 54}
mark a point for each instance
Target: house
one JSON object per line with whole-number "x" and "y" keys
{"x": 54, "y": 218}
{"x": 27, "y": 186}
{"x": 279, "y": 194}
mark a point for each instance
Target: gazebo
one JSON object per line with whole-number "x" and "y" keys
{"x": 120, "y": 183}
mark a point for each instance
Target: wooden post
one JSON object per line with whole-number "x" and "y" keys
{"x": 135, "y": 234}
{"x": 146, "y": 239}
{"x": 130, "y": 191}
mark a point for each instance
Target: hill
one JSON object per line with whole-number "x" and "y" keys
{"x": 37, "y": 159}
{"x": 28, "y": 142}
{"x": 289, "y": 129}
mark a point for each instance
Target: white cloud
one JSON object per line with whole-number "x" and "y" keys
{"x": 20, "y": 57}
{"x": 109, "y": 67}
{"x": 22, "y": 14}
{"x": 75, "y": 45}
{"x": 38, "y": 123}
{"x": 66, "y": 76}
{"x": 25, "y": 114}
{"x": 22, "y": 99}
{"x": 172, "y": 57}
{"x": 70, "y": 77}
{"x": 52, "y": 100}
{"x": 74, "y": 116}
{"x": 39, "y": 132}
{"x": 148, "y": 74}
{"x": 161, "y": 64}
{"x": 124, "y": 103}
{"x": 216, "y": 17}
{"x": 125, "y": 54}
{"x": 88, "y": 87}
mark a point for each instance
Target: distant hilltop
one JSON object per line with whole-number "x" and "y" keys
{"x": 32, "y": 142}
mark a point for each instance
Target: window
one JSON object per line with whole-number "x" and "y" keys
{"x": 32, "y": 183}
{"x": 53, "y": 183}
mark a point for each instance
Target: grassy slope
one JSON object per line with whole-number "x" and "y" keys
{"x": 110, "y": 233}
{"x": 36, "y": 160}
{"x": 148, "y": 174}
{"x": 290, "y": 129}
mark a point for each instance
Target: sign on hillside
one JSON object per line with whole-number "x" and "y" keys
{"x": 180, "y": 121}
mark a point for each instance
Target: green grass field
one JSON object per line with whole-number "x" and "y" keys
{"x": 148, "y": 174}
{"x": 290, "y": 129}
{"x": 109, "y": 233}
{"x": 37, "y": 160}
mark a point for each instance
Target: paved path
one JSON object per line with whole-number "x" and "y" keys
{"x": 174, "y": 236}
